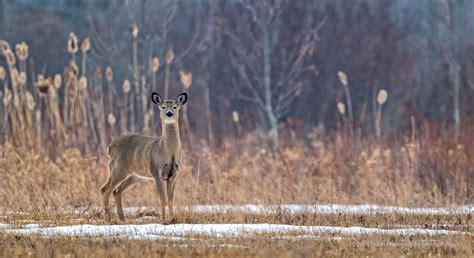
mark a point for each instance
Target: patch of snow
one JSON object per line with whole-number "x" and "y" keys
{"x": 219, "y": 230}
{"x": 327, "y": 209}
{"x": 30, "y": 226}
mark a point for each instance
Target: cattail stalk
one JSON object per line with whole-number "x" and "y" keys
{"x": 155, "y": 65}
{"x": 342, "y": 110}
{"x": 6, "y": 100}
{"x": 100, "y": 109}
{"x": 144, "y": 97}
{"x": 110, "y": 88}
{"x": 381, "y": 99}
{"x": 169, "y": 60}
{"x": 236, "y": 119}
{"x": 38, "y": 130}
{"x": 136, "y": 77}
{"x": 84, "y": 48}
{"x": 83, "y": 97}
{"x": 126, "y": 87}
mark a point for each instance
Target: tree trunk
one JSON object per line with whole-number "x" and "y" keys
{"x": 455, "y": 80}
{"x": 273, "y": 122}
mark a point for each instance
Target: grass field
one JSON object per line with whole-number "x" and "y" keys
{"x": 249, "y": 230}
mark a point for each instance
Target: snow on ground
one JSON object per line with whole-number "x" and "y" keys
{"x": 219, "y": 230}
{"x": 181, "y": 232}
{"x": 316, "y": 209}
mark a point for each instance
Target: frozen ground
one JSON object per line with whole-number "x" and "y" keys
{"x": 153, "y": 231}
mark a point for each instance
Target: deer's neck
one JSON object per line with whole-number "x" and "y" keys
{"x": 170, "y": 137}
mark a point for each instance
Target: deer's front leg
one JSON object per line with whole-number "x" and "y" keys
{"x": 159, "y": 187}
{"x": 170, "y": 191}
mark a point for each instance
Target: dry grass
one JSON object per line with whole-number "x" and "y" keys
{"x": 267, "y": 245}
{"x": 422, "y": 174}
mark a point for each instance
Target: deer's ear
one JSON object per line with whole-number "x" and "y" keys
{"x": 182, "y": 99}
{"x": 156, "y": 98}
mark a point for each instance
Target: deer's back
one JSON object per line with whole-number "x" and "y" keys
{"x": 131, "y": 151}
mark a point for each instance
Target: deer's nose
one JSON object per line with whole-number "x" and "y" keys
{"x": 169, "y": 114}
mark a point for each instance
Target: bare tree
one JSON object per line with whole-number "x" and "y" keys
{"x": 453, "y": 52}
{"x": 269, "y": 71}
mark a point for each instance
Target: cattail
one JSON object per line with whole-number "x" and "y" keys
{"x": 30, "y": 101}
{"x": 111, "y": 119}
{"x": 72, "y": 43}
{"x": 7, "y": 97}
{"x": 382, "y": 97}
{"x": 169, "y": 56}
{"x": 4, "y": 46}
{"x": 22, "y": 78}
{"x": 155, "y": 64}
{"x": 186, "y": 79}
{"x": 109, "y": 75}
{"x": 57, "y": 81}
{"x": 86, "y": 45}
{"x": 82, "y": 83}
{"x": 22, "y": 51}
{"x": 235, "y": 116}
{"x": 3, "y": 74}
{"x": 10, "y": 57}
{"x": 42, "y": 85}
{"x": 342, "y": 78}
{"x": 341, "y": 107}
{"x": 126, "y": 86}
{"x": 134, "y": 31}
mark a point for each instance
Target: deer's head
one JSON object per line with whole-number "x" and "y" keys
{"x": 169, "y": 108}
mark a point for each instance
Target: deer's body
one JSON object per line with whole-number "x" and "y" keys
{"x": 135, "y": 158}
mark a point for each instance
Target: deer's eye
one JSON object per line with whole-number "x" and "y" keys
{"x": 174, "y": 107}
{"x": 163, "y": 107}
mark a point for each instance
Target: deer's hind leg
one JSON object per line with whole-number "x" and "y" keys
{"x": 116, "y": 177}
{"x": 105, "y": 190}
{"x": 127, "y": 183}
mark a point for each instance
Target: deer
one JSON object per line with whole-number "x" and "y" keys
{"x": 135, "y": 158}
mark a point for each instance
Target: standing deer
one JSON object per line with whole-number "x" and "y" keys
{"x": 134, "y": 158}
